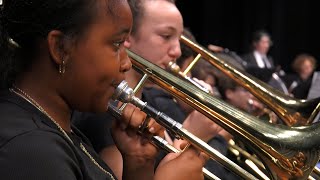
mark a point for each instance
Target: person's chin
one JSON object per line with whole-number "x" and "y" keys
{"x": 101, "y": 108}
{"x": 102, "y": 103}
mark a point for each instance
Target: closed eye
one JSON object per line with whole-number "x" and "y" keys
{"x": 166, "y": 37}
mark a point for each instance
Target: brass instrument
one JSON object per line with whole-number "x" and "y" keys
{"x": 250, "y": 160}
{"x": 155, "y": 140}
{"x": 162, "y": 143}
{"x": 173, "y": 67}
{"x": 258, "y": 167}
{"x": 292, "y": 111}
{"x": 125, "y": 94}
{"x": 286, "y": 152}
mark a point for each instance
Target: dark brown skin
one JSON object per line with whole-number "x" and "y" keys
{"x": 93, "y": 67}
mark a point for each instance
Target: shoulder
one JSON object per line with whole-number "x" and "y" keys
{"x": 156, "y": 97}
{"x": 30, "y": 146}
{"x": 95, "y": 127}
{"x": 18, "y": 122}
{"x": 248, "y": 57}
{"x": 38, "y": 154}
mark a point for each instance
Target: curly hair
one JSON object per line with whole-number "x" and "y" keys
{"x": 300, "y": 59}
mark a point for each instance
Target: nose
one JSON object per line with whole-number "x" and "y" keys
{"x": 175, "y": 50}
{"x": 125, "y": 62}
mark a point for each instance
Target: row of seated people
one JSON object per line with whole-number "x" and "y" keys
{"x": 98, "y": 129}
{"x": 260, "y": 64}
{"x": 86, "y": 52}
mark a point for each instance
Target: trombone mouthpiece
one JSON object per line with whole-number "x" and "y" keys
{"x": 123, "y": 93}
{"x": 173, "y": 67}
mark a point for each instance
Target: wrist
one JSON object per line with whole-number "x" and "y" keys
{"x": 138, "y": 168}
{"x": 138, "y": 160}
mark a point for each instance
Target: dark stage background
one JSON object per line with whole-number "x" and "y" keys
{"x": 230, "y": 24}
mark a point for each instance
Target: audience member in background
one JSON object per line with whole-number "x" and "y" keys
{"x": 304, "y": 66}
{"x": 258, "y": 57}
{"x": 258, "y": 62}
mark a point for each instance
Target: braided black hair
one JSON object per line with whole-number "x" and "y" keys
{"x": 24, "y": 23}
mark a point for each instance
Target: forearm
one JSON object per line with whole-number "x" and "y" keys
{"x": 138, "y": 168}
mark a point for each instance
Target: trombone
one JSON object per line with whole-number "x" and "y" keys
{"x": 125, "y": 94}
{"x": 286, "y": 152}
{"x": 155, "y": 140}
{"x": 250, "y": 160}
{"x": 292, "y": 111}
{"x": 232, "y": 146}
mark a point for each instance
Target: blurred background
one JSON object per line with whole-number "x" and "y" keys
{"x": 293, "y": 25}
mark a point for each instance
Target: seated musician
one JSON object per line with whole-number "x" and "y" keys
{"x": 57, "y": 57}
{"x": 259, "y": 63}
{"x": 158, "y": 43}
{"x": 304, "y": 66}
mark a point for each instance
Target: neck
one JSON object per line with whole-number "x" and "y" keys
{"x": 46, "y": 96}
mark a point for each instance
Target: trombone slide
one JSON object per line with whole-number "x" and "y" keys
{"x": 125, "y": 94}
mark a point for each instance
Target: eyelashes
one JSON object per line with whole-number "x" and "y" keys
{"x": 118, "y": 44}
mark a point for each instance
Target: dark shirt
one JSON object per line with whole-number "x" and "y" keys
{"x": 297, "y": 87}
{"x": 32, "y": 147}
{"x": 98, "y": 125}
{"x": 251, "y": 66}
{"x": 220, "y": 144}
{"x": 163, "y": 102}
{"x": 301, "y": 91}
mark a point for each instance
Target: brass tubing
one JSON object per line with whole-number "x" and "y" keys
{"x": 286, "y": 152}
{"x": 163, "y": 144}
{"x": 293, "y": 111}
{"x": 125, "y": 94}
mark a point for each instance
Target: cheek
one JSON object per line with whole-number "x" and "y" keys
{"x": 158, "y": 50}
{"x": 92, "y": 74}
{"x": 100, "y": 67}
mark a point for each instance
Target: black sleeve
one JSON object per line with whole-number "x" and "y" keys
{"x": 302, "y": 90}
{"x": 96, "y": 127}
{"x": 38, "y": 155}
{"x": 170, "y": 108}
{"x": 220, "y": 144}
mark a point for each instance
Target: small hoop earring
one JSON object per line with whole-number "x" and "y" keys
{"x": 62, "y": 67}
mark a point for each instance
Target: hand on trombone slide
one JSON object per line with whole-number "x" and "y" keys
{"x": 125, "y": 94}
{"x": 188, "y": 160}
{"x": 259, "y": 110}
{"x": 135, "y": 147}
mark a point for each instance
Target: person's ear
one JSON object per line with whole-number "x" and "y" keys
{"x": 57, "y": 46}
